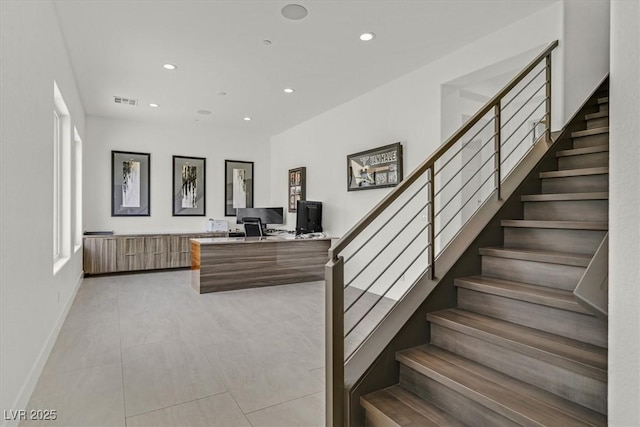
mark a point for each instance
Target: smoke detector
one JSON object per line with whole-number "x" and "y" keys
{"x": 125, "y": 101}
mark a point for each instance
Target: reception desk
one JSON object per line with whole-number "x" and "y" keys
{"x": 222, "y": 264}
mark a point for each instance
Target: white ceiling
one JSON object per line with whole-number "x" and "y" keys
{"x": 117, "y": 48}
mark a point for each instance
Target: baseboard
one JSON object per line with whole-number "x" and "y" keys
{"x": 34, "y": 375}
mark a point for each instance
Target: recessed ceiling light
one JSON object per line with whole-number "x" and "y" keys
{"x": 294, "y": 11}
{"x": 365, "y": 37}
{"x": 154, "y": 105}
{"x": 266, "y": 42}
{"x": 205, "y": 112}
{"x": 247, "y": 119}
{"x": 169, "y": 66}
{"x": 289, "y": 90}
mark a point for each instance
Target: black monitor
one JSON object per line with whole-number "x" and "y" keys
{"x": 266, "y": 215}
{"x": 309, "y": 217}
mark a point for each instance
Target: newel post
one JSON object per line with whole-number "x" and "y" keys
{"x": 334, "y": 306}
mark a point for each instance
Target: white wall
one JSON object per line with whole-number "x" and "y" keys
{"x": 585, "y": 36}
{"x": 33, "y": 301}
{"x": 406, "y": 110}
{"x": 163, "y": 141}
{"x": 624, "y": 216}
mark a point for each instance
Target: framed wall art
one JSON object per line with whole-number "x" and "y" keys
{"x": 130, "y": 184}
{"x": 238, "y": 186}
{"x": 297, "y": 187}
{"x": 376, "y": 168}
{"x": 189, "y": 184}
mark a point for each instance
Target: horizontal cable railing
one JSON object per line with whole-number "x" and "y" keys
{"x": 378, "y": 261}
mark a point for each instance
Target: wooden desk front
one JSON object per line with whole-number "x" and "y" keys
{"x": 222, "y": 264}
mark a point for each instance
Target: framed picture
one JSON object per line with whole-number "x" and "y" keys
{"x": 376, "y": 168}
{"x": 130, "y": 184}
{"x": 297, "y": 187}
{"x": 238, "y": 186}
{"x": 189, "y": 182}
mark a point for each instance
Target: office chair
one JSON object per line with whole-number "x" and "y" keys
{"x": 252, "y": 226}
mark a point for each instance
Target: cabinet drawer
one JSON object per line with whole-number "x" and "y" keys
{"x": 156, "y": 244}
{"x": 130, "y": 245}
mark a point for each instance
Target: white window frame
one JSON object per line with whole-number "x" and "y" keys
{"x": 57, "y": 184}
{"x": 61, "y": 208}
{"x": 78, "y": 191}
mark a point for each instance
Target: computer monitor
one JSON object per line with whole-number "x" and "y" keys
{"x": 309, "y": 217}
{"x": 266, "y": 215}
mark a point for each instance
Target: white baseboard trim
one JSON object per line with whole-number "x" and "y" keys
{"x": 34, "y": 375}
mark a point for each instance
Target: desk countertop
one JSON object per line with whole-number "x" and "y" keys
{"x": 265, "y": 239}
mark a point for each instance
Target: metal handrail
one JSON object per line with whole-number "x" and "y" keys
{"x": 335, "y": 269}
{"x": 430, "y": 161}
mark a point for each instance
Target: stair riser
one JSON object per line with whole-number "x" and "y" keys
{"x": 591, "y": 140}
{"x": 598, "y": 123}
{"x": 374, "y": 419}
{"x": 547, "y": 375}
{"x": 536, "y": 273}
{"x": 583, "y": 161}
{"x": 581, "y": 327}
{"x": 603, "y": 107}
{"x": 576, "y": 184}
{"x": 569, "y": 210}
{"x": 465, "y": 409}
{"x": 553, "y": 239}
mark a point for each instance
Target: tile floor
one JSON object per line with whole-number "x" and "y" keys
{"x": 146, "y": 350}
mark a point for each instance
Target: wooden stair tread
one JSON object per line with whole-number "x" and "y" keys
{"x": 565, "y": 197}
{"x": 576, "y": 356}
{"x": 552, "y": 257}
{"x": 589, "y": 132}
{"x": 542, "y": 295}
{"x": 406, "y": 409}
{"x": 581, "y": 151}
{"x": 603, "y": 100}
{"x": 564, "y": 225}
{"x": 598, "y": 115}
{"x": 521, "y": 402}
{"x": 575, "y": 172}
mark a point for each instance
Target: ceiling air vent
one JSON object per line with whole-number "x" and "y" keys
{"x": 125, "y": 101}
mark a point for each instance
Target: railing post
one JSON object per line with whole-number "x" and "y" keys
{"x": 548, "y": 99}
{"x": 498, "y": 147}
{"x": 334, "y": 311}
{"x": 431, "y": 200}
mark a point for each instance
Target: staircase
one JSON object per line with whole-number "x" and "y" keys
{"x": 518, "y": 350}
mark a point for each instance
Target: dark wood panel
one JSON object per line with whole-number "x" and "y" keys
{"x": 239, "y": 265}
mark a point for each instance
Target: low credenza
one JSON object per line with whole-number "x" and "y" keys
{"x": 222, "y": 264}
{"x": 115, "y": 253}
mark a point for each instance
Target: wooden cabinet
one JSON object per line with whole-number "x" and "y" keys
{"x": 100, "y": 255}
{"x": 179, "y": 254}
{"x": 129, "y": 253}
{"x": 110, "y": 254}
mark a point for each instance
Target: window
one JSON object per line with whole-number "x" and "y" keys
{"x": 61, "y": 208}
{"x": 78, "y": 190}
{"x": 57, "y": 184}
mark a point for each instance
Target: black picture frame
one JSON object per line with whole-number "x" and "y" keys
{"x": 379, "y": 167}
{"x": 246, "y": 186}
{"x": 134, "y": 168}
{"x": 189, "y": 196}
{"x": 297, "y": 187}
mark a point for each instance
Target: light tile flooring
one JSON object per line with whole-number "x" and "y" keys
{"x": 147, "y": 350}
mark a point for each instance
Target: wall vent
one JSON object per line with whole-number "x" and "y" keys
{"x": 125, "y": 101}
